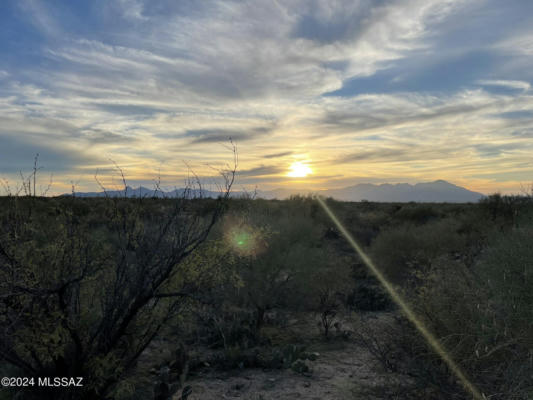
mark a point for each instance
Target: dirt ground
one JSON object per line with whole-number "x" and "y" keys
{"x": 344, "y": 370}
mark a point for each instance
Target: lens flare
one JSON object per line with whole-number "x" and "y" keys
{"x": 243, "y": 238}
{"x": 428, "y": 336}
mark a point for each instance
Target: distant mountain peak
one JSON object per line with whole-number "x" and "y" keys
{"x": 439, "y": 191}
{"x": 436, "y": 191}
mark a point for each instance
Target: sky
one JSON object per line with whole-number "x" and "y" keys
{"x": 346, "y": 92}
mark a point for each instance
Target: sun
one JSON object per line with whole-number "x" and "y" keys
{"x": 299, "y": 169}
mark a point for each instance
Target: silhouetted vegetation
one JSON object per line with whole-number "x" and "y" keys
{"x": 139, "y": 295}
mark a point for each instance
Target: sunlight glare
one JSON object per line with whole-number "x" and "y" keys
{"x": 299, "y": 169}
{"x": 398, "y": 299}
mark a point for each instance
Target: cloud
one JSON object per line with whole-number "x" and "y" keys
{"x": 520, "y": 85}
{"x": 17, "y": 154}
{"x": 125, "y": 109}
{"x": 444, "y": 73}
{"x": 260, "y": 171}
{"x": 277, "y": 155}
{"x": 207, "y": 54}
{"x": 40, "y": 17}
{"x": 523, "y": 133}
{"x": 521, "y": 43}
{"x": 401, "y": 153}
{"x": 337, "y": 22}
{"x": 214, "y": 135}
{"x": 374, "y": 112}
{"x": 375, "y": 155}
{"x": 518, "y": 114}
{"x": 97, "y": 136}
{"x": 496, "y": 150}
{"x": 342, "y": 83}
{"x": 169, "y": 8}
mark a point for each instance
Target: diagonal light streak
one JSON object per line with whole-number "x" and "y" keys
{"x": 430, "y": 338}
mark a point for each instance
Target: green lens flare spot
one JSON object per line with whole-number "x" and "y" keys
{"x": 241, "y": 238}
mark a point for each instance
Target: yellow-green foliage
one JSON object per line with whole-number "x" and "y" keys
{"x": 484, "y": 315}
{"x": 87, "y": 284}
{"x": 399, "y": 251}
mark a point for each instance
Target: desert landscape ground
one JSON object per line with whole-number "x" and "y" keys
{"x": 260, "y": 299}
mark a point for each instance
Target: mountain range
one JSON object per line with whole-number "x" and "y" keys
{"x": 432, "y": 192}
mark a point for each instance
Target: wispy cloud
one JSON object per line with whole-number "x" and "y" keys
{"x": 224, "y": 135}
{"x": 418, "y": 89}
{"x": 39, "y": 16}
{"x": 521, "y": 85}
{"x": 277, "y": 155}
{"x": 261, "y": 171}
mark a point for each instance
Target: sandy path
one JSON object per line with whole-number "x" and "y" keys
{"x": 343, "y": 370}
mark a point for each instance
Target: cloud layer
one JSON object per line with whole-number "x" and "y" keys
{"x": 361, "y": 90}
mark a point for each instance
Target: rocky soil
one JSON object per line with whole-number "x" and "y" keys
{"x": 344, "y": 370}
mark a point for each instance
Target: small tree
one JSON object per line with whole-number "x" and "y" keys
{"x": 87, "y": 284}
{"x": 325, "y": 285}
{"x": 273, "y": 253}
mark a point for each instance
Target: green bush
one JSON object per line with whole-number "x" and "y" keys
{"x": 417, "y": 213}
{"x": 401, "y": 251}
{"x": 484, "y": 316}
{"x": 87, "y": 284}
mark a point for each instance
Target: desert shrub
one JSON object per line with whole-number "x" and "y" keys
{"x": 375, "y": 219}
{"x": 281, "y": 261}
{"x": 508, "y": 270}
{"x": 482, "y": 316}
{"x": 368, "y": 295}
{"x": 417, "y": 213}
{"x": 389, "y": 341}
{"x": 271, "y": 256}
{"x": 325, "y": 286}
{"x": 85, "y": 293}
{"x": 225, "y": 327}
{"x": 401, "y": 251}
{"x": 507, "y": 210}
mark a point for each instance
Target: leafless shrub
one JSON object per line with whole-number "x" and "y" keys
{"x": 80, "y": 301}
